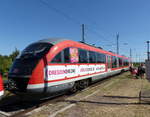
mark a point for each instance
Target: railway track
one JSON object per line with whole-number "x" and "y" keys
{"x": 19, "y": 108}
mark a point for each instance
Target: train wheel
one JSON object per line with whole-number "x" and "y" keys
{"x": 83, "y": 84}
{"x": 74, "y": 88}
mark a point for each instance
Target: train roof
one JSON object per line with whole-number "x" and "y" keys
{"x": 55, "y": 41}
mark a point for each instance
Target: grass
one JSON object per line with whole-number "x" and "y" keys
{"x": 4, "y": 78}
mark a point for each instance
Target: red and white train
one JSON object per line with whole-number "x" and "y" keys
{"x": 1, "y": 87}
{"x": 51, "y": 66}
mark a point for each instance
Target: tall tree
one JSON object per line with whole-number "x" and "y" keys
{"x": 14, "y": 54}
{"x": 6, "y": 61}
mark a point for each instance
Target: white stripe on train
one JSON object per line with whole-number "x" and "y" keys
{"x": 35, "y": 86}
{"x": 1, "y": 93}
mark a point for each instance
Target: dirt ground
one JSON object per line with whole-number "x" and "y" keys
{"x": 117, "y": 97}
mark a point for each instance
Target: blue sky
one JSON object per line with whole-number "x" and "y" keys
{"x": 25, "y": 21}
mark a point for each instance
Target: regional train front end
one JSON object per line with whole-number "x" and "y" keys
{"x": 26, "y": 76}
{"x": 42, "y": 69}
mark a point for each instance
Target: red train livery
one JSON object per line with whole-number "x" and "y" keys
{"x": 51, "y": 66}
{"x": 1, "y": 87}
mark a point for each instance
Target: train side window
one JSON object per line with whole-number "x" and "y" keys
{"x": 57, "y": 58}
{"x": 114, "y": 62}
{"x": 126, "y": 62}
{"x": 98, "y": 57}
{"x": 83, "y": 57}
{"x": 74, "y": 55}
{"x": 70, "y": 55}
{"x": 66, "y": 55}
{"x": 101, "y": 58}
{"x": 117, "y": 61}
{"x": 120, "y": 62}
{"x": 109, "y": 61}
{"x": 92, "y": 57}
{"x": 104, "y": 58}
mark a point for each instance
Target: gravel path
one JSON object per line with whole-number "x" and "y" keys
{"x": 117, "y": 97}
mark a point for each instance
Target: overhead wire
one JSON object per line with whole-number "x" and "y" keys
{"x": 93, "y": 22}
{"x": 69, "y": 17}
{"x": 60, "y": 12}
{"x": 98, "y": 34}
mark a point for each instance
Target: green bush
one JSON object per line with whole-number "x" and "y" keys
{"x": 6, "y": 61}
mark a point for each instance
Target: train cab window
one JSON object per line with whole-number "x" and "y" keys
{"x": 92, "y": 57}
{"x": 114, "y": 62}
{"x": 57, "y": 58}
{"x": 83, "y": 56}
{"x": 101, "y": 58}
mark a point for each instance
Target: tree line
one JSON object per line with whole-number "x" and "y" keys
{"x": 6, "y": 61}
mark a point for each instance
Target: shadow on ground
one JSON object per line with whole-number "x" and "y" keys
{"x": 114, "y": 102}
{"x": 14, "y": 103}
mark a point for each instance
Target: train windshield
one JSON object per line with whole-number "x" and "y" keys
{"x": 29, "y": 58}
{"x": 36, "y": 50}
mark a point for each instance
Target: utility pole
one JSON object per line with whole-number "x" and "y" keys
{"x": 136, "y": 58}
{"x": 131, "y": 54}
{"x": 117, "y": 43}
{"x": 83, "y": 39}
{"x": 148, "y": 50}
